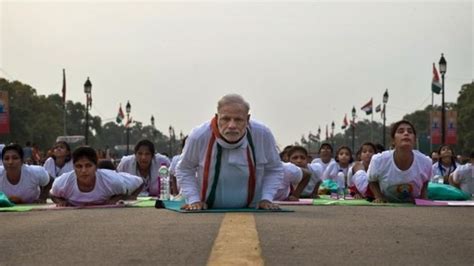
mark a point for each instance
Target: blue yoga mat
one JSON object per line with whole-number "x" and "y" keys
{"x": 176, "y": 206}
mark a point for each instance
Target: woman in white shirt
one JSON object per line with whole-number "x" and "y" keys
{"x": 402, "y": 174}
{"x": 20, "y": 182}
{"x": 60, "y": 162}
{"x": 87, "y": 185}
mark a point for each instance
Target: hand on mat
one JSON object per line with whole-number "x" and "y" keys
{"x": 267, "y": 205}
{"x": 196, "y": 206}
{"x": 379, "y": 200}
{"x": 358, "y": 196}
{"x": 40, "y": 201}
{"x": 61, "y": 203}
{"x": 292, "y": 198}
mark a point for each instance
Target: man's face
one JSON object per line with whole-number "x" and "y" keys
{"x": 232, "y": 121}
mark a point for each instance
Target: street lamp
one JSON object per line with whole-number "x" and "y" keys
{"x": 171, "y": 133}
{"x": 153, "y": 127}
{"x": 442, "y": 70}
{"x": 353, "y": 127}
{"x": 332, "y": 133}
{"x": 87, "y": 91}
{"x": 385, "y": 100}
{"x": 128, "y": 109}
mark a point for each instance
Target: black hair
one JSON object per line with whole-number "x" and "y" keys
{"x": 294, "y": 149}
{"x": 68, "y": 148}
{"x": 327, "y": 145}
{"x": 13, "y": 147}
{"x": 397, "y": 124}
{"x": 87, "y": 152}
{"x": 351, "y": 159}
{"x": 106, "y": 164}
{"x": 453, "y": 159}
{"x": 147, "y": 143}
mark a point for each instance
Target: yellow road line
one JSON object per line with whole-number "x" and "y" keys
{"x": 237, "y": 242}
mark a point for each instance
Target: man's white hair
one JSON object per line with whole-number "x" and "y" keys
{"x": 233, "y": 98}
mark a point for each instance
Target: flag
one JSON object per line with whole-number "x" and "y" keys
{"x": 120, "y": 115}
{"x": 367, "y": 108}
{"x": 64, "y": 87}
{"x": 378, "y": 108}
{"x": 303, "y": 140}
{"x": 345, "y": 123}
{"x": 435, "y": 85}
{"x": 313, "y": 137}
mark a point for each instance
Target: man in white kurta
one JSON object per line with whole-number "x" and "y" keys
{"x": 230, "y": 162}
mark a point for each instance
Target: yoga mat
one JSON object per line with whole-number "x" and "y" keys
{"x": 444, "y": 203}
{"x": 296, "y": 203}
{"x": 328, "y": 201}
{"x": 176, "y": 206}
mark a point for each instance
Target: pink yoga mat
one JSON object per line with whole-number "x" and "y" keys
{"x": 300, "y": 202}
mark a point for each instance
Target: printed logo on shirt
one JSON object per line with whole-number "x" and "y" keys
{"x": 402, "y": 192}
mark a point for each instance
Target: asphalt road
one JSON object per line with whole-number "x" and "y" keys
{"x": 311, "y": 235}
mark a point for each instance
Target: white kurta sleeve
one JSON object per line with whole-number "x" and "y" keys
{"x": 273, "y": 169}
{"x": 187, "y": 168}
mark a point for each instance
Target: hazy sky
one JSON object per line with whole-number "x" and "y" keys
{"x": 300, "y": 64}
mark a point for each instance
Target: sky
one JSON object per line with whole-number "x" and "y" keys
{"x": 300, "y": 64}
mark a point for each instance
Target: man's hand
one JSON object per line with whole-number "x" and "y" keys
{"x": 196, "y": 206}
{"x": 267, "y": 205}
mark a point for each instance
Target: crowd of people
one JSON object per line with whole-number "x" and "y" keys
{"x": 232, "y": 161}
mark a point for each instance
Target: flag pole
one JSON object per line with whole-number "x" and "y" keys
{"x": 64, "y": 101}
{"x": 372, "y": 123}
{"x": 431, "y": 122}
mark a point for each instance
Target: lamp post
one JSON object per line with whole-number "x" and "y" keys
{"x": 353, "y": 127}
{"x": 170, "y": 131}
{"x": 128, "y": 109}
{"x": 87, "y": 91}
{"x": 332, "y": 133}
{"x": 442, "y": 70}
{"x": 385, "y": 100}
{"x": 319, "y": 137}
{"x": 152, "y": 119}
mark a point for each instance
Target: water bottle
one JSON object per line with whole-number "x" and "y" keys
{"x": 341, "y": 183}
{"x": 164, "y": 182}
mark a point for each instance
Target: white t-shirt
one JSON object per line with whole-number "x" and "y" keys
{"x": 323, "y": 165}
{"x": 397, "y": 185}
{"x": 438, "y": 170}
{"x": 292, "y": 176}
{"x": 28, "y": 190}
{"x": 55, "y": 171}
{"x": 464, "y": 175}
{"x": 360, "y": 180}
{"x": 108, "y": 183}
{"x": 128, "y": 164}
{"x": 332, "y": 172}
{"x": 316, "y": 171}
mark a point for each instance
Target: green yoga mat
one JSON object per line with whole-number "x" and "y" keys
{"x": 328, "y": 201}
{"x": 17, "y": 208}
{"x": 176, "y": 206}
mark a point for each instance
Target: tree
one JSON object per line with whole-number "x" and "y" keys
{"x": 465, "y": 121}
